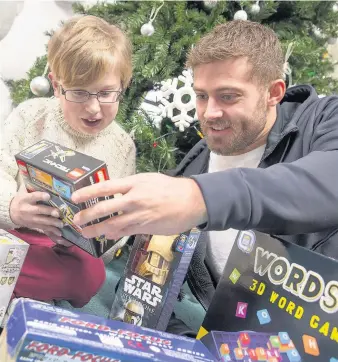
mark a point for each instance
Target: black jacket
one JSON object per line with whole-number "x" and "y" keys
{"x": 292, "y": 195}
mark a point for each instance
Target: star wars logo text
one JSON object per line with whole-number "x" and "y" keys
{"x": 54, "y": 350}
{"x": 294, "y": 278}
{"x": 56, "y": 165}
{"x": 143, "y": 290}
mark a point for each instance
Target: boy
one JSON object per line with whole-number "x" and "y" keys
{"x": 90, "y": 63}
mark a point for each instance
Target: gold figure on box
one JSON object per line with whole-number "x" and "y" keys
{"x": 134, "y": 313}
{"x": 159, "y": 256}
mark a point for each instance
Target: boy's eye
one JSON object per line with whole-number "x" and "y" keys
{"x": 79, "y": 93}
{"x": 105, "y": 93}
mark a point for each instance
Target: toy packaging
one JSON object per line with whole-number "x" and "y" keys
{"x": 41, "y": 332}
{"x": 275, "y": 302}
{"x": 153, "y": 277}
{"x": 12, "y": 255}
{"x": 50, "y": 167}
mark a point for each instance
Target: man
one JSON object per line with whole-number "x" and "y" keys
{"x": 268, "y": 162}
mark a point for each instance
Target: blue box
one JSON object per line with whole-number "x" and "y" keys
{"x": 41, "y": 332}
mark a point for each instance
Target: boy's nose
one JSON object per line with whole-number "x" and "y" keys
{"x": 93, "y": 105}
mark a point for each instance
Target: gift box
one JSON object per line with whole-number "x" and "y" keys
{"x": 50, "y": 167}
{"x": 41, "y": 332}
{"x": 13, "y": 252}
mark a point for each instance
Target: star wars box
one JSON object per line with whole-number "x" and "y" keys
{"x": 152, "y": 279}
{"x": 41, "y": 332}
{"x": 275, "y": 302}
{"x": 12, "y": 255}
{"x": 50, "y": 167}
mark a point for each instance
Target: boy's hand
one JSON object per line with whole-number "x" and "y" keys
{"x": 25, "y": 211}
{"x": 58, "y": 239}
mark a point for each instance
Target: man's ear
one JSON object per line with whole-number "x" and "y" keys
{"x": 55, "y": 84}
{"x": 277, "y": 91}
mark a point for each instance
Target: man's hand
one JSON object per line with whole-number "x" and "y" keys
{"x": 25, "y": 211}
{"x": 151, "y": 203}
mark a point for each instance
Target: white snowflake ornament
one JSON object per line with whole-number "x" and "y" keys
{"x": 172, "y": 99}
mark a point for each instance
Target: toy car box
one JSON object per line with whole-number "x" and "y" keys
{"x": 13, "y": 252}
{"x": 276, "y": 301}
{"x": 50, "y": 167}
{"x": 41, "y": 332}
{"x": 153, "y": 277}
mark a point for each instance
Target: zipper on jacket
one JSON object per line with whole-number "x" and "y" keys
{"x": 264, "y": 157}
{"x": 321, "y": 242}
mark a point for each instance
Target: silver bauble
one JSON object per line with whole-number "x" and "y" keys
{"x": 335, "y": 8}
{"x": 210, "y": 3}
{"x": 241, "y": 15}
{"x": 255, "y": 9}
{"x": 317, "y": 32}
{"x": 40, "y": 86}
{"x": 147, "y": 29}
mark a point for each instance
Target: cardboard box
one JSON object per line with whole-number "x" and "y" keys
{"x": 153, "y": 277}
{"x": 41, "y": 332}
{"x": 50, "y": 167}
{"x": 276, "y": 301}
{"x": 12, "y": 255}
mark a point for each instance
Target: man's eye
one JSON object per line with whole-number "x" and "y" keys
{"x": 228, "y": 97}
{"x": 201, "y": 96}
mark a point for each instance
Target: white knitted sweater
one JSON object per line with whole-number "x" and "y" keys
{"x": 42, "y": 118}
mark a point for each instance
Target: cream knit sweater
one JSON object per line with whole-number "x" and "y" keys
{"x": 42, "y": 118}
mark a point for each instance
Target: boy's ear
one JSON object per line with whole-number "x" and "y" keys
{"x": 55, "y": 84}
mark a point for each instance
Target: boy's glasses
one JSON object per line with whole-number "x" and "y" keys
{"x": 81, "y": 96}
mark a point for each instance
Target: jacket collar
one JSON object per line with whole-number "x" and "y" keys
{"x": 281, "y": 129}
{"x": 297, "y": 98}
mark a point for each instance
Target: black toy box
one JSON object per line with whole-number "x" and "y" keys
{"x": 50, "y": 167}
{"x": 153, "y": 277}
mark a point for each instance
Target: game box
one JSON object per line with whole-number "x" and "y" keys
{"x": 275, "y": 302}
{"x": 50, "y": 167}
{"x": 13, "y": 252}
{"x": 152, "y": 279}
{"x": 41, "y": 332}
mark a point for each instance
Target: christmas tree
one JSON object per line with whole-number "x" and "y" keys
{"x": 162, "y": 33}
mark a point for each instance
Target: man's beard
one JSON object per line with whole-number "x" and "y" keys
{"x": 241, "y": 138}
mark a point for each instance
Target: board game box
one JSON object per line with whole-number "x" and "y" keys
{"x": 13, "y": 252}
{"x": 50, "y": 167}
{"x": 275, "y": 302}
{"x": 41, "y": 332}
{"x": 153, "y": 277}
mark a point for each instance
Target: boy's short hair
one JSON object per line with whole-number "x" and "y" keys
{"x": 239, "y": 38}
{"x": 85, "y": 48}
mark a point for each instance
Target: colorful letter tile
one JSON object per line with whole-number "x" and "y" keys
{"x": 263, "y": 316}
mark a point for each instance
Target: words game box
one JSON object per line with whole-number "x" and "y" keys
{"x": 276, "y": 301}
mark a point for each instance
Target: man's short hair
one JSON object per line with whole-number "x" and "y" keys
{"x": 85, "y": 48}
{"x": 237, "y": 39}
